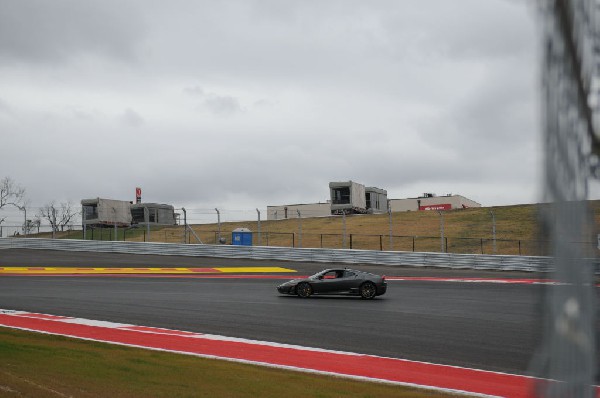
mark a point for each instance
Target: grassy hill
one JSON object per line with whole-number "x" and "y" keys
{"x": 465, "y": 231}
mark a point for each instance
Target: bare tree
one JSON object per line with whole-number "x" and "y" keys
{"x": 30, "y": 225}
{"x": 10, "y": 194}
{"x": 58, "y": 216}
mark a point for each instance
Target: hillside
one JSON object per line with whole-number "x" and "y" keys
{"x": 465, "y": 231}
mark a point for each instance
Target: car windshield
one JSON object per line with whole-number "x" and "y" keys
{"x": 328, "y": 274}
{"x": 316, "y": 276}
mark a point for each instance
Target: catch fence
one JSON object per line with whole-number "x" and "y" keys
{"x": 309, "y": 239}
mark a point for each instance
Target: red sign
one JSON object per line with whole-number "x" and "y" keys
{"x": 443, "y": 206}
{"x": 138, "y": 195}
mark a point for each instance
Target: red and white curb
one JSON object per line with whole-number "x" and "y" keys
{"x": 315, "y": 360}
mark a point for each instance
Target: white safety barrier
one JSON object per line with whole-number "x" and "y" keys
{"x": 392, "y": 258}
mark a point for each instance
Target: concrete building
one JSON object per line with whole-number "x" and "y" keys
{"x": 430, "y": 201}
{"x": 291, "y": 211}
{"x": 376, "y": 200}
{"x": 347, "y": 197}
{"x": 110, "y": 212}
{"x": 153, "y": 214}
{"x": 105, "y": 212}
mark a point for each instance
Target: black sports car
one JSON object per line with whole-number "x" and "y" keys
{"x": 337, "y": 281}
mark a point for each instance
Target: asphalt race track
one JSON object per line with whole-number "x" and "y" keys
{"x": 488, "y": 326}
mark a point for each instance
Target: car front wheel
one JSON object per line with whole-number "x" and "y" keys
{"x": 368, "y": 290}
{"x": 303, "y": 290}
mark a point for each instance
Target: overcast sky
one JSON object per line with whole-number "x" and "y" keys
{"x": 245, "y": 104}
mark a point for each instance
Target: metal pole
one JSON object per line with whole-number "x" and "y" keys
{"x": 147, "y": 219}
{"x": 493, "y": 230}
{"x": 343, "y": 229}
{"x": 299, "y": 228}
{"x": 185, "y": 231}
{"x": 442, "y": 230}
{"x": 83, "y": 224}
{"x": 115, "y": 221}
{"x": 390, "y": 218}
{"x": 218, "y": 223}
{"x": 259, "y": 236}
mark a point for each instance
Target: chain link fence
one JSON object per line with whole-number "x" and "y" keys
{"x": 381, "y": 242}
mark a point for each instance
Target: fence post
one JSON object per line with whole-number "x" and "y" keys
{"x": 350, "y": 241}
{"x": 293, "y": 239}
{"x": 441, "y": 229}
{"x": 494, "y": 230}
{"x": 413, "y": 243}
{"x": 259, "y": 235}
{"x": 321, "y": 241}
{"x": 381, "y": 242}
{"x": 299, "y": 228}
{"x": 185, "y": 231}
{"x": 219, "y": 222}
{"x": 481, "y": 245}
{"x": 344, "y": 229}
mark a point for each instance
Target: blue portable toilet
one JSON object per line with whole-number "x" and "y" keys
{"x": 241, "y": 237}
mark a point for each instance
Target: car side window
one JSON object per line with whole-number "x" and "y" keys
{"x": 349, "y": 274}
{"x": 330, "y": 275}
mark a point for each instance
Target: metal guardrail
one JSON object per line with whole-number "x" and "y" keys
{"x": 391, "y": 258}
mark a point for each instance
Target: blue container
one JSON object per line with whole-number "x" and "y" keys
{"x": 241, "y": 237}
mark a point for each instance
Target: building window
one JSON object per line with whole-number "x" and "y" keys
{"x": 340, "y": 196}
{"x": 90, "y": 212}
{"x": 137, "y": 215}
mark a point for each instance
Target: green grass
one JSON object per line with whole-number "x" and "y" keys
{"x": 39, "y": 365}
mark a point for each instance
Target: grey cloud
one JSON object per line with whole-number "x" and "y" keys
{"x": 222, "y": 105}
{"x": 131, "y": 118}
{"x": 55, "y": 31}
{"x": 4, "y": 108}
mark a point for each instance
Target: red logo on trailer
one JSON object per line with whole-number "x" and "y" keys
{"x": 443, "y": 206}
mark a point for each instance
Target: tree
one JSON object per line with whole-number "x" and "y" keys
{"x": 10, "y": 194}
{"x": 30, "y": 225}
{"x": 58, "y": 216}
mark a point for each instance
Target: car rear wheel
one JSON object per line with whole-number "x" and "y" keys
{"x": 368, "y": 290}
{"x": 304, "y": 290}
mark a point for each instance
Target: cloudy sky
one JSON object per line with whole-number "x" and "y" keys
{"x": 244, "y": 104}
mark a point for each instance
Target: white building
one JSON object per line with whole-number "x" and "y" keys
{"x": 284, "y": 212}
{"x": 430, "y": 201}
